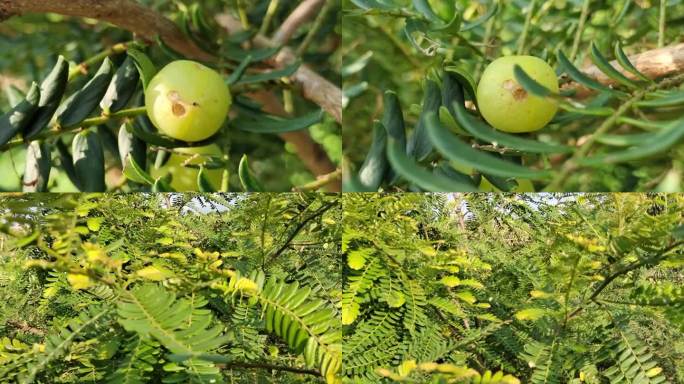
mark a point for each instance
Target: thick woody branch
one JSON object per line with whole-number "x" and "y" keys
{"x": 126, "y": 14}
{"x": 655, "y": 64}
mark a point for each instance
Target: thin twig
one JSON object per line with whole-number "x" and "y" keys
{"x": 526, "y": 27}
{"x": 321, "y": 182}
{"x": 270, "y": 11}
{"x": 56, "y": 131}
{"x": 318, "y": 22}
{"x": 580, "y": 29}
{"x": 661, "y": 23}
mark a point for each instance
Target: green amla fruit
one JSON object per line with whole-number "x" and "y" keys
{"x": 187, "y": 101}
{"x": 506, "y": 105}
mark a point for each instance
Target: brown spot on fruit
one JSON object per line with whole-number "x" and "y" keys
{"x": 516, "y": 90}
{"x": 178, "y": 109}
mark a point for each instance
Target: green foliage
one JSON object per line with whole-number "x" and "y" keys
{"x": 559, "y": 288}
{"x": 74, "y": 94}
{"x": 170, "y": 288}
{"x": 622, "y": 136}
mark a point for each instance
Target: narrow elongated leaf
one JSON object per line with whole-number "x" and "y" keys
{"x": 271, "y": 75}
{"x": 146, "y": 69}
{"x": 135, "y": 172}
{"x": 626, "y": 64}
{"x": 273, "y": 124}
{"x": 89, "y": 161}
{"x": 374, "y": 167}
{"x": 154, "y": 138}
{"x": 203, "y": 183}
{"x": 130, "y": 145}
{"x": 580, "y": 77}
{"x": 484, "y": 132}
{"x": 235, "y": 53}
{"x": 121, "y": 88}
{"x": 456, "y": 150}
{"x": 407, "y": 168}
{"x": 657, "y": 144}
{"x": 671, "y": 100}
{"x": 604, "y": 65}
{"x": 66, "y": 161}
{"x": 37, "y": 168}
{"x": 239, "y": 71}
{"x": 531, "y": 85}
{"x": 51, "y": 92}
{"x": 248, "y": 181}
{"x": 17, "y": 118}
{"x": 87, "y": 98}
{"x": 419, "y": 145}
{"x": 492, "y": 10}
{"x": 453, "y": 77}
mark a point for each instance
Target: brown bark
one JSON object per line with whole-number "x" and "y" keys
{"x": 304, "y": 12}
{"x": 126, "y": 14}
{"x": 655, "y": 63}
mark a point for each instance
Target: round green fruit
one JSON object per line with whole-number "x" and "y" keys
{"x": 185, "y": 178}
{"x": 506, "y": 105}
{"x": 187, "y": 101}
{"x": 444, "y": 9}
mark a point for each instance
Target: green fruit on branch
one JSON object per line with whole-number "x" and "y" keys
{"x": 184, "y": 178}
{"x": 187, "y": 101}
{"x": 506, "y": 105}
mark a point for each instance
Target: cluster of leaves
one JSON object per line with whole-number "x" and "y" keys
{"x": 451, "y": 148}
{"x": 93, "y": 126}
{"x": 505, "y": 288}
{"x": 170, "y": 288}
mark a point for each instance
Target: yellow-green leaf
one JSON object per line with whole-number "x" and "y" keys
{"x": 94, "y": 223}
{"x": 530, "y": 314}
{"x": 165, "y": 241}
{"x": 451, "y": 281}
{"x": 79, "y": 281}
{"x": 466, "y": 296}
{"x": 154, "y": 273}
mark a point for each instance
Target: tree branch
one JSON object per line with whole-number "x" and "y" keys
{"x": 126, "y": 14}
{"x": 298, "y": 228}
{"x": 655, "y": 63}
{"x": 235, "y": 364}
{"x": 304, "y": 12}
{"x": 314, "y": 86}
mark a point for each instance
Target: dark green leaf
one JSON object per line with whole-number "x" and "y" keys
{"x": 419, "y": 145}
{"x": 407, "y": 168}
{"x": 271, "y": 75}
{"x": 248, "y": 181}
{"x": 89, "y": 161}
{"x": 130, "y": 145}
{"x": 374, "y": 167}
{"x": 484, "y": 132}
{"x": 580, "y": 77}
{"x": 51, "y": 92}
{"x": 273, "y": 124}
{"x": 203, "y": 182}
{"x": 604, "y": 65}
{"x": 146, "y": 69}
{"x": 66, "y": 161}
{"x": 491, "y": 11}
{"x": 86, "y": 99}
{"x": 626, "y": 64}
{"x": 239, "y": 71}
{"x": 456, "y": 150}
{"x": 17, "y": 118}
{"x": 121, "y": 88}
